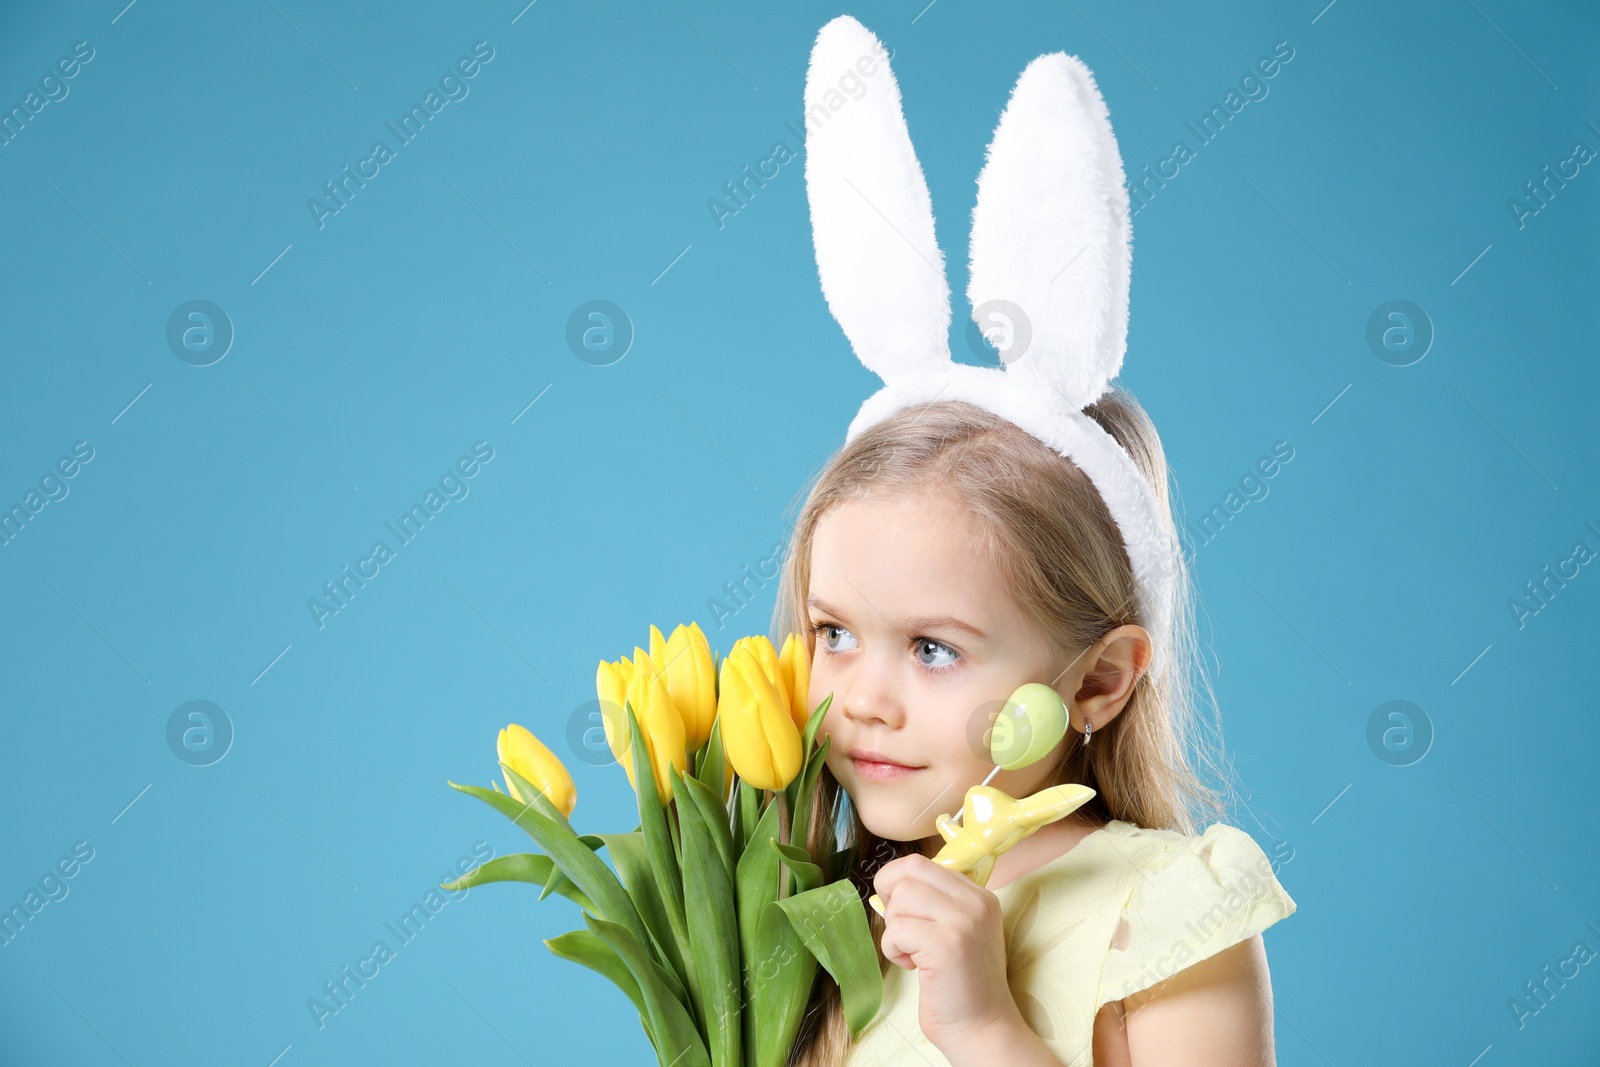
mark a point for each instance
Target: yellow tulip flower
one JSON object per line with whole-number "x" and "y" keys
{"x": 685, "y": 661}
{"x": 795, "y": 663}
{"x": 761, "y": 652}
{"x": 646, "y": 691}
{"x": 527, "y": 755}
{"x": 758, "y": 733}
{"x": 611, "y": 684}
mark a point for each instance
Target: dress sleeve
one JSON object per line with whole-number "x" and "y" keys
{"x": 1191, "y": 899}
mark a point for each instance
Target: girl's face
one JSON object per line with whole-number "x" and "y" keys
{"x": 919, "y": 643}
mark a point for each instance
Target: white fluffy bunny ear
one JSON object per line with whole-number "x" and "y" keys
{"x": 871, "y": 219}
{"x": 1050, "y": 232}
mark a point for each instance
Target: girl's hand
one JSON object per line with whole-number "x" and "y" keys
{"x": 947, "y": 928}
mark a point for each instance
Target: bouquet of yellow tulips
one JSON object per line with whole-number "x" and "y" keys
{"x": 717, "y": 914}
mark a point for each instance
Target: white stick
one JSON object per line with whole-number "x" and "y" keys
{"x": 986, "y": 781}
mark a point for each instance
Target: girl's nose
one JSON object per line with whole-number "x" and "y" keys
{"x": 872, "y": 697}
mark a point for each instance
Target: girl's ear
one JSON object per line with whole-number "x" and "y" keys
{"x": 1050, "y": 233}
{"x": 1112, "y": 669}
{"x": 871, "y": 219}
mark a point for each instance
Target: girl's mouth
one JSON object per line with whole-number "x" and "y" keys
{"x": 876, "y": 768}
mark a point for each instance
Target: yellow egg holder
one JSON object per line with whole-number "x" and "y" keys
{"x": 991, "y": 822}
{"x": 1028, "y": 726}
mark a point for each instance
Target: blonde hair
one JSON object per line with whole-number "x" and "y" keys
{"x": 1046, "y": 528}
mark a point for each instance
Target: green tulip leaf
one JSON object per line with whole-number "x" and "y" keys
{"x": 631, "y": 857}
{"x": 807, "y": 874}
{"x": 714, "y": 816}
{"x": 586, "y": 947}
{"x": 813, "y": 722}
{"x": 574, "y": 858}
{"x": 766, "y": 949}
{"x": 712, "y": 769}
{"x": 756, "y": 876}
{"x": 832, "y": 921}
{"x": 780, "y": 975}
{"x": 540, "y": 801}
{"x": 557, "y": 881}
{"x": 713, "y": 933}
{"x": 524, "y": 867}
{"x": 809, "y": 758}
{"x": 806, "y": 797}
{"x": 660, "y": 844}
{"x": 670, "y": 1026}
{"x": 749, "y": 803}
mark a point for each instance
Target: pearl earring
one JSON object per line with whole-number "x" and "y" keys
{"x": 1088, "y": 729}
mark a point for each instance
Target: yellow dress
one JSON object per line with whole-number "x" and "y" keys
{"x": 1120, "y": 911}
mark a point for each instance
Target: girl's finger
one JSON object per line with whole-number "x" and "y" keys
{"x": 961, "y": 890}
{"x": 914, "y": 866}
{"x": 916, "y": 899}
{"x": 906, "y": 938}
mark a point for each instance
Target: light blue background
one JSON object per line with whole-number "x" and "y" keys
{"x": 432, "y": 310}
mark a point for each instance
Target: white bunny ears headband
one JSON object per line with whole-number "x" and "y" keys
{"x": 1050, "y": 249}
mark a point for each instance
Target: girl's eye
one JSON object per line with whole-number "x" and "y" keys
{"x": 943, "y": 656}
{"x": 825, "y": 631}
{"x": 924, "y": 644}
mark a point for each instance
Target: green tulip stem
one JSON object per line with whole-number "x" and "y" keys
{"x": 783, "y": 836}
{"x": 671, "y": 811}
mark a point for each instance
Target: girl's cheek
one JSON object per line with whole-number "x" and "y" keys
{"x": 963, "y": 733}
{"x": 834, "y": 761}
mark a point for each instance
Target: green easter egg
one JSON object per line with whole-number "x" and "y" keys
{"x": 1029, "y": 726}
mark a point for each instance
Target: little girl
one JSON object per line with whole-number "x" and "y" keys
{"x": 989, "y": 526}
{"x": 943, "y": 558}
